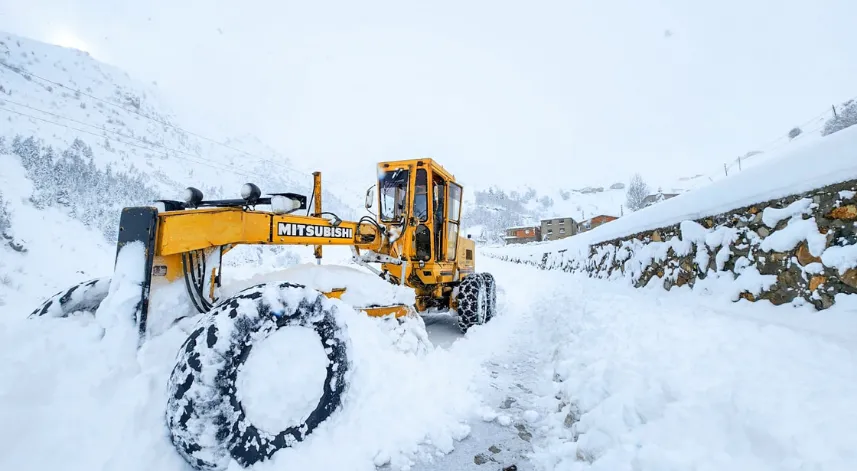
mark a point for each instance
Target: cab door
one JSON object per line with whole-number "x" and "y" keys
{"x": 421, "y": 217}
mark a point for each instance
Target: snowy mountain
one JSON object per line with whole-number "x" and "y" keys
{"x": 63, "y": 110}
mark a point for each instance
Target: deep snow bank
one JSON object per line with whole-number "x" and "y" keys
{"x": 70, "y": 400}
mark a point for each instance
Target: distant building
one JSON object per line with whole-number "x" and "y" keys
{"x": 652, "y": 199}
{"x": 595, "y": 221}
{"x": 523, "y": 234}
{"x": 558, "y": 228}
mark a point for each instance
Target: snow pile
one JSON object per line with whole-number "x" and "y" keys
{"x": 841, "y": 257}
{"x": 97, "y": 410}
{"x": 797, "y": 231}
{"x": 362, "y": 289}
{"x": 275, "y": 402}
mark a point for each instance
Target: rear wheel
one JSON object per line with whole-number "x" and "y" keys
{"x": 207, "y": 419}
{"x": 491, "y": 291}
{"x": 475, "y": 305}
{"x": 82, "y": 297}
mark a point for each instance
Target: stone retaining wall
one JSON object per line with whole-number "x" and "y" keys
{"x": 801, "y": 247}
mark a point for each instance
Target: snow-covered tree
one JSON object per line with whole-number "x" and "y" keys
{"x": 565, "y": 194}
{"x": 72, "y": 180}
{"x": 637, "y": 192}
{"x": 5, "y": 219}
{"x": 795, "y": 132}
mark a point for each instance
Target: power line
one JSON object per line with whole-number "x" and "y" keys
{"x": 9, "y": 110}
{"x": 193, "y": 157}
{"x": 136, "y": 112}
{"x": 770, "y": 146}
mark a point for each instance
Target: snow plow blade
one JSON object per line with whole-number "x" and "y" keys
{"x": 396, "y": 310}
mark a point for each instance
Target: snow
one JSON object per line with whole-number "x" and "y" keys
{"x": 641, "y": 378}
{"x": 361, "y": 287}
{"x": 797, "y": 231}
{"x": 109, "y": 409}
{"x": 841, "y": 257}
{"x": 772, "y": 216}
{"x": 652, "y": 380}
{"x": 574, "y": 373}
{"x": 276, "y": 401}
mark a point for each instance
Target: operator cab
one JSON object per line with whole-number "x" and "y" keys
{"x": 420, "y": 200}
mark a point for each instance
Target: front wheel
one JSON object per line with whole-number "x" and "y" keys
{"x": 207, "y": 411}
{"x": 476, "y": 299}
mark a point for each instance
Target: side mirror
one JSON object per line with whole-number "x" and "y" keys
{"x": 370, "y": 197}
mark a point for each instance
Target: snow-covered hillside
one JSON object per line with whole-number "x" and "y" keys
{"x": 57, "y": 96}
{"x": 798, "y": 168}
{"x": 491, "y": 210}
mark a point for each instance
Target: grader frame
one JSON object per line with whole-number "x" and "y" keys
{"x": 415, "y": 239}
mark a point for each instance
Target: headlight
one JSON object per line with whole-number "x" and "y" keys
{"x": 283, "y": 204}
{"x": 192, "y": 196}
{"x": 250, "y": 192}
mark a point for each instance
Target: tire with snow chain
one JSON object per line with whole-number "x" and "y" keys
{"x": 82, "y": 297}
{"x": 472, "y": 302}
{"x": 491, "y": 295}
{"x": 207, "y": 421}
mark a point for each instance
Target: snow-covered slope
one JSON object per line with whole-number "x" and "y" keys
{"x": 58, "y": 95}
{"x": 800, "y": 167}
{"x": 606, "y": 194}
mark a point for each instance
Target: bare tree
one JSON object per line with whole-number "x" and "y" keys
{"x": 637, "y": 192}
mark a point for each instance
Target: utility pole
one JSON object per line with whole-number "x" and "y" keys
{"x": 726, "y": 170}
{"x": 739, "y": 163}
{"x": 834, "y": 111}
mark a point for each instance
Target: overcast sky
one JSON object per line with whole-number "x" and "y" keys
{"x": 561, "y": 92}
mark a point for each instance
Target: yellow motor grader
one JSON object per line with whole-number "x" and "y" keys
{"x": 414, "y": 240}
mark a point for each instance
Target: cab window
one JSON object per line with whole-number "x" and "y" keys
{"x": 421, "y": 196}
{"x": 453, "y": 218}
{"x": 394, "y": 191}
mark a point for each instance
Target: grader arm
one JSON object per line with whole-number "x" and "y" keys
{"x": 189, "y": 244}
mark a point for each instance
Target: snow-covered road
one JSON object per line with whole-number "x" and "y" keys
{"x": 573, "y": 373}
{"x": 608, "y": 377}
